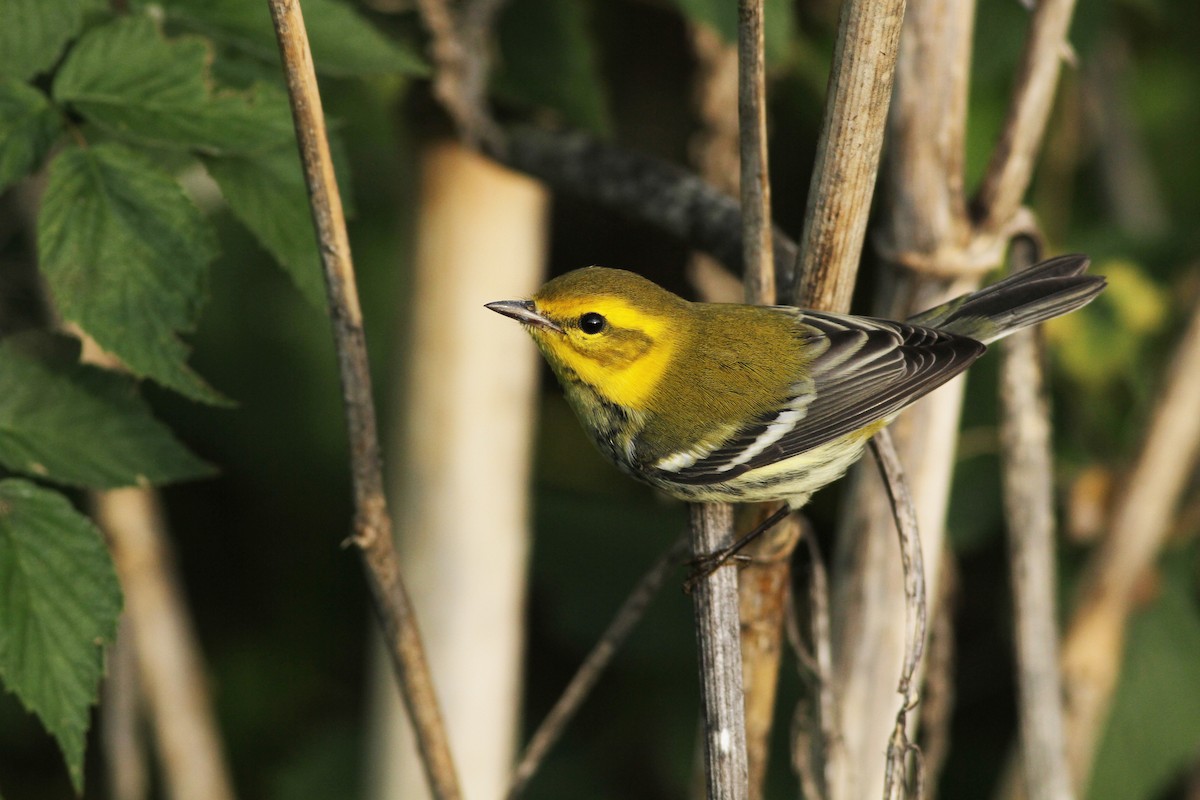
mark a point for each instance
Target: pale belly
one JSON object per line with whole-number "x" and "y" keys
{"x": 792, "y": 479}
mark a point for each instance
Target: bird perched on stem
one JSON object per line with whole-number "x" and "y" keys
{"x": 716, "y": 402}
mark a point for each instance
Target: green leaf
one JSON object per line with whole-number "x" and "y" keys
{"x": 133, "y": 83}
{"x": 1153, "y": 731}
{"x": 126, "y": 256}
{"x": 779, "y": 22}
{"x": 28, "y": 127}
{"x": 550, "y": 60}
{"x": 81, "y": 425}
{"x": 268, "y": 195}
{"x": 34, "y": 33}
{"x": 58, "y": 609}
{"x": 343, "y": 43}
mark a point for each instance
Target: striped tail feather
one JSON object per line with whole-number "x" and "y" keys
{"x": 1046, "y": 290}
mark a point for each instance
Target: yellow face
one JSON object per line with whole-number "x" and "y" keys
{"x": 619, "y": 350}
{"x": 609, "y": 329}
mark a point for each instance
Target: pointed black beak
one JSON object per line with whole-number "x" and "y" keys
{"x": 523, "y": 311}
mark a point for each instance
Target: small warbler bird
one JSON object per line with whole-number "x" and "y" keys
{"x": 716, "y": 402}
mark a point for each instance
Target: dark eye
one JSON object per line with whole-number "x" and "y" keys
{"x": 592, "y": 323}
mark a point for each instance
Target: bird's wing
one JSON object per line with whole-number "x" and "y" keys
{"x": 864, "y": 370}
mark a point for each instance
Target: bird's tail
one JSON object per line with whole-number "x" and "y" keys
{"x": 1044, "y": 291}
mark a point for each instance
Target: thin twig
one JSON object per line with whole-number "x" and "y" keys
{"x": 1029, "y": 506}
{"x": 915, "y": 613}
{"x": 755, "y": 184}
{"x": 763, "y": 584}
{"x": 937, "y": 695}
{"x": 372, "y": 525}
{"x": 1140, "y": 522}
{"x": 843, "y": 181}
{"x": 1011, "y": 165}
{"x": 818, "y": 599}
{"x": 716, "y": 611}
{"x": 628, "y": 616}
{"x": 462, "y": 58}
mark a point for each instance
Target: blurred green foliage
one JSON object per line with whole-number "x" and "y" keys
{"x": 281, "y": 609}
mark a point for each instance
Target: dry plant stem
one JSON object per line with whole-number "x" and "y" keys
{"x": 569, "y": 702}
{"x": 169, "y": 667}
{"x": 1094, "y": 643}
{"x": 372, "y": 526}
{"x": 927, "y": 231}
{"x": 823, "y": 749}
{"x": 843, "y": 182}
{"x": 1029, "y": 507}
{"x": 839, "y": 199}
{"x": 120, "y": 725}
{"x": 715, "y": 604}
{"x": 937, "y": 695}
{"x": 755, "y": 182}
{"x": 1011, "y": 165}
{"x": 763, "y": 584}
{"x": 926, "y": 222}
{"x": 462, "y": 55}
{"x": 915, "y": 613}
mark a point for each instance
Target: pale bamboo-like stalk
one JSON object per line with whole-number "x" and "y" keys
{"x": 169, "y": 671}
{"x": 462, "y": 508}
{"x": 1140, "y": 522}
{"x": 158, "y": 668}
{"x": 716, "y": 611}
{"x": 1029, "y": 508}
{"x": 372, "y": 525}
{"x": 120, "y": 721}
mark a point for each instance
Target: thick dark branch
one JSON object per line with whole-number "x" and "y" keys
{"x": 645, "y": 189}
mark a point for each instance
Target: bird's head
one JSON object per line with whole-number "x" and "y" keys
{"x": 611, "y": 329}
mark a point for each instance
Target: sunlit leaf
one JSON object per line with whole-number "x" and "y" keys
{"x": 130, "y": 80}
{"x": 126, "y": 254}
